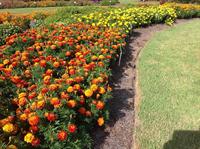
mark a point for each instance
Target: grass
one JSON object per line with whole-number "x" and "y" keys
{"x": 169, "y": 79}
{"x": 125, "y": 2}
{"x": 29, "y": 10}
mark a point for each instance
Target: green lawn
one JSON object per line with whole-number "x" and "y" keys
{"x": 127, "y": 1}
{"x": 169, "y": 80}
{"x": 29, "y": 10}
{"x": 124, "y": 2}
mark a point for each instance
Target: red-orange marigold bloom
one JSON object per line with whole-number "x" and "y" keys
{"x": 72, "y": 128}
{"x": 55, "y": 101}
{"x": 71, "y": 103}
{"x": 100, "y": 121}
{"x": 43, "y": 63}
{"x": 33, "y": 120}
{"x": 51, "y": 117}
{"x": 70, "y": 89}
{"x": 100, "y": 105}
{"x": 34, "y": 129}
{"x": 35, "y": 142}
{"x": 56, "y": 64}
{"x": 82, "y": 110}
{"x": 47, "y": 79}
{"x": 88, "y": 113}
{"x": 62, "y": 135}
{"x": 23, "y": 117}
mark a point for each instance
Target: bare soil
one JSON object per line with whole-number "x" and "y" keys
{"x": 119, "y": 132}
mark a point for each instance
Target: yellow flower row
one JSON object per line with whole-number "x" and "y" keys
{"x": 183, "y": 6}
{"x": 126, "y": 18}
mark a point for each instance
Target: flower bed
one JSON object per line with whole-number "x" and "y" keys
{"x": 7, "y": 30}
{"x": 185, "y": 10}
{"x": 126, "y": 19}
{"x": 22, "y": 20}
{"x": 56, "y": 80}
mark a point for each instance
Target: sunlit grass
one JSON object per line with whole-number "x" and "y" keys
{"x": 29, "y": 10}
{"x": 169, "y": 78}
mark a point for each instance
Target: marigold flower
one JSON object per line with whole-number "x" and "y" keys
{"x": 43, "y": 63}
{"x": 6, "y": 61}
{"x": 55, "y": 101}
{"x": 72, "y": 128}
{"x": 100, "y": 105}
{"x": 70, "y": 89}
{"x": 82, "y": 110}
{"x": 88, "y": 93}
{"x": 23, "y": 117}
{"x": 56, "y": 64}
{"x": 40, "y": 104}
{"x": 94, "y": 87}
{"x": 77, "y": 87}
{"x": 62, "y": 135}
{"x": 29, "y": 137}
{"x": 102, "y": 90}
{"x": 71, "y": 103}
{"x": 53, "y": 87}
{"x": 34, "y": 129}
{"x": 9, "y": 127}
{"x": 47, "y": 79}
{"x": 100, "y": 121}
{"x": 51, "y": 117}
{"x": 33, "y": 120}
{"x": 35, "y": 142}
{"x": 40, "y": 96}
{"x": 100, "y": 79}
{"x": 101, "y": 57}
{"x": 22, "y": 101}
{"x": 88, "y": 113}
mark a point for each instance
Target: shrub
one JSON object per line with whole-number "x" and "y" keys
{"x": 80, "y": 2}
{"x": 22, "y": 20}
{"x": 108, "y": 2}
{"x": 20, "y": 4}
{"x": 7, "y": 30}
{"x": 68, "y": 14}
{"x": 187, "y": 1}
{"x": 44, "y": 3}
{"x": 185, "y": 10}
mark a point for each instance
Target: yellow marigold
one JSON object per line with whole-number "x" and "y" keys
{"x": 6, "y": 61}
{"x": 88, "y": 93}
{"x": 109, "y": 88}
{"x": 40, "y": 104}
{"x": 23, "y": 117}
{"x": 102, "y": 90}
{"x": 94, "y": 87}
{"x": 101, "y": 57}
{"x": 70, "y": 89}
{"x": 8, "y": 128}
{"x": 100, "y": 121}
{"x": 100, "y": 79}
{"x": 40, "y": 96}
{"x": 29, "y": 137}
{"x": 23, "y": 94}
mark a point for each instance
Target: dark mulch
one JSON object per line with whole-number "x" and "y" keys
{"x": 119, "y": 131}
